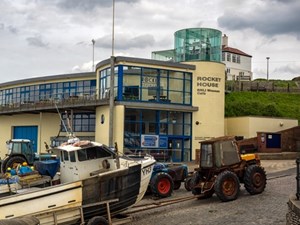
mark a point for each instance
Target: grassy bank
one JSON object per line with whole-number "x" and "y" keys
{"x": 263, "y": 104}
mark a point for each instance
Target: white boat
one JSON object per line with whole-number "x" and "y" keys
{"x": 90, "y": 174}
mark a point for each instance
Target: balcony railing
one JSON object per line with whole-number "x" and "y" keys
{"x": 71, "y": 101}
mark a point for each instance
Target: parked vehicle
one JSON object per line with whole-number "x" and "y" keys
{"x": 20, "y": 151}
{"x": 167, "y": 177}
{"x": 222, "y": 168}
{"x": 90, "y": 174}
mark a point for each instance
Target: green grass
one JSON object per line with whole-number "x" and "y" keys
{"x": 262, "y": 104}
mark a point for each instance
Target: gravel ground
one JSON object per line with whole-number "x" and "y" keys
{"x": 270, "y": 207}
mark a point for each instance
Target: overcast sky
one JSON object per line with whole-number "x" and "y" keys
{"x": 51, "y": 37}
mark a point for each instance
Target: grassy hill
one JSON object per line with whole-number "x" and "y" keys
{"x": 262, "y": 104}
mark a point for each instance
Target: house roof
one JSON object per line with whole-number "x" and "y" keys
{"x": 235, "y": 51}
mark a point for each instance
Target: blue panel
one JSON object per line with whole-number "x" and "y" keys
{"x": 27, "y": 132}
{"x": 273, "y": 141}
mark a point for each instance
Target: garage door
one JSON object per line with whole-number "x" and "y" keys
{"x": 26, "y": 132}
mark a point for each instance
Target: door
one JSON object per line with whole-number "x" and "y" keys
{"x": 26, "y": 132}
{"x": 175, "y": 149}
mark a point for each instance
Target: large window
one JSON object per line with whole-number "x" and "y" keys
{"x": 105, "y": 83}
{"x": 45, "y": 92}
{"x": 154, "y": 122}
{"x": 147, "y": 84}
{"x": 80, "y": 122}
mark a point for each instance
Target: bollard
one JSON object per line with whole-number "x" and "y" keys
{"x": 298, "y": 178}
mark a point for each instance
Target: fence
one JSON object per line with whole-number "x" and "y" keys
{"x": 265, "y": 86}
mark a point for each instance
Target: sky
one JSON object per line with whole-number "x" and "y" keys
{"x": 50, "y": 37}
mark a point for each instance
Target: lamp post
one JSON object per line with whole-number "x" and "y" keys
{"x": 93, "y": 42}
{"x": 268, "y": 67}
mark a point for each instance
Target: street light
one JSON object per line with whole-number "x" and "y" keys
{"x": 268, "y": 68}
{"x": 93, "y": 42}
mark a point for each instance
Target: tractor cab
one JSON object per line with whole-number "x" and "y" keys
{"x": 219, "y": 152}
{"x": 222, "y": 168}
{"x": 22, "y": 147}
{"x": 19, "y": 151}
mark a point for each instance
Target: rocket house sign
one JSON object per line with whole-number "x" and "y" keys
{"x": 207, "y": 84}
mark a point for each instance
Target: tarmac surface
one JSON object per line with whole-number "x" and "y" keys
{"x": 268, "y": 208}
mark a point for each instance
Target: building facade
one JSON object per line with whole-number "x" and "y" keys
{"x": 238, "y": 63}
{"x": 157, "y": 107}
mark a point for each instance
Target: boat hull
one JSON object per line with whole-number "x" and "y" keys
{"x": 82, "y": 199}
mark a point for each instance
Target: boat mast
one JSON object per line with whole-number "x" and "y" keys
{"x": 111, "y": 88}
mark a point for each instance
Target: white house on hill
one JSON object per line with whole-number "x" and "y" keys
{"x": 238, "y": 63}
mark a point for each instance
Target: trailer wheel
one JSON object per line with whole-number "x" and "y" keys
{"x": 227, "y": 186}
{"x": 162, "y": 185}
{"x": 255, "y": 179}
{"x": 98, "y": 220}
{"x": 188, "y": 183}
{"x": 13, "y": 162}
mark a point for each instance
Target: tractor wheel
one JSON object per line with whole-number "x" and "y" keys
{"x": 227, "y": 186}
{"x": 255, "y": 179}
{"x": 162, "y": 185}
{"x": 13, "y": 162}
{"x": 98, "y": 220}
{"x": 194, "y": 181}
{"x": 177, "y": 184}
{"x": 188, "y": 183}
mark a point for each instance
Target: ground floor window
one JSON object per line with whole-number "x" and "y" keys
{"x": 164, "y": 134}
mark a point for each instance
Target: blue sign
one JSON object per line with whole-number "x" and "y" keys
{"x": 149, "y": 141}
{"x": 163, "y": 142}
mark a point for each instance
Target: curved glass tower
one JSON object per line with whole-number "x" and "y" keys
{"x": 202, "y": 44}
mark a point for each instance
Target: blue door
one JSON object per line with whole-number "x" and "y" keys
{"x": 273, "y": 140}
{"x": 27, "y": 132}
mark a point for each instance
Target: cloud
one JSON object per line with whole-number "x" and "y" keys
{"x": 125, "y": 41}
{"x": 37, "y": 42}
{"x": 268, "y": 18}
{"x": 291, "y": 68}
{"x": 88, "y": 5}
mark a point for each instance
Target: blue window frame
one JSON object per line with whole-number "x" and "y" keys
{"x": 148, "y": 85}
{"x": 82, "y": 122}
{"x": 40, "y": 92}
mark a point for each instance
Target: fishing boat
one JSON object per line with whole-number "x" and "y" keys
{"x": 89, "y": 174}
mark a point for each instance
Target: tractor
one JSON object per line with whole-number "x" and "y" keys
{"x": 222, "y": 168}
{"x": 167, "y": 177}
{"x": 19, "y": 151}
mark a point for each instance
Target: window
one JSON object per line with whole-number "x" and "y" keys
{"x": 148, "y": 84}
{"x": 228, "y": 57}
{"x": 93, "y": 153}
{"x": 72, "y": 157}
{"x": 238, "y": 59}
{"x": 233, "y": 58}
{"x": 44, "y": 92}
{"x": 223, "y": 56}
{"x": 82, "y": 122}
{"x": 65, "y": 156}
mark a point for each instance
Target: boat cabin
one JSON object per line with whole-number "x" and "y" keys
{"x": 84, "y": 159}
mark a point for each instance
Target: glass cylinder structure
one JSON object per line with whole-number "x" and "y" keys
{"x": 202, "y": 44}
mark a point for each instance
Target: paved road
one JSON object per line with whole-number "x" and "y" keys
{"x": 270, "y": 207}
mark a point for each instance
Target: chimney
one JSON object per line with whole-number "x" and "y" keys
{"x": 225, "y": 41}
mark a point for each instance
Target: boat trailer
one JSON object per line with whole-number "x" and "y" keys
{"x": 56, "y": 217}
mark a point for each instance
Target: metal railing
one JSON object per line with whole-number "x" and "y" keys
{"x": 298, "y": 178}
{"x": 50, "y": 103}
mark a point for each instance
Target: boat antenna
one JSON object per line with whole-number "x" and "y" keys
{"x": 70, "y": 133}
{"x": 61, "y": 119}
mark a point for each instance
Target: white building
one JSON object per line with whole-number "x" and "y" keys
{"x": 238, "y": 63}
